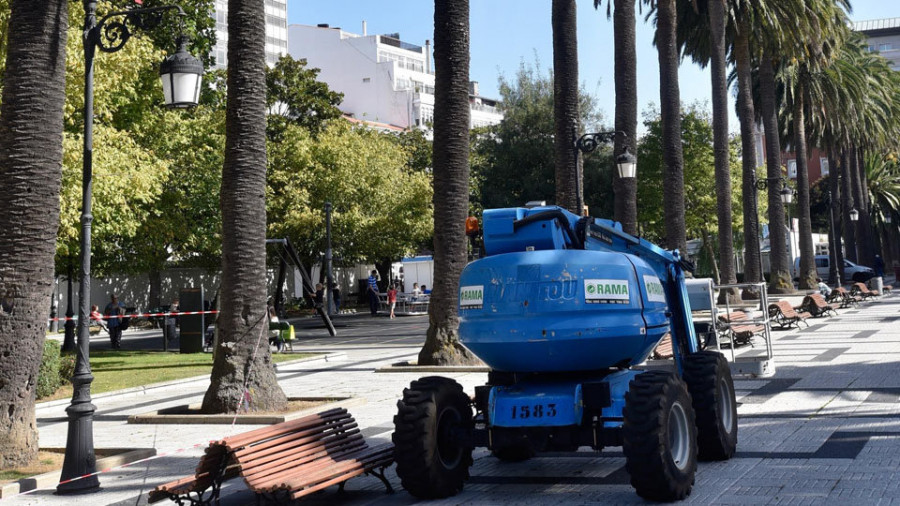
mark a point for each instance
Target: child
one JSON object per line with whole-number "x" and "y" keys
{"x": 97, "y": 317}
{"x": 392, "y": 298}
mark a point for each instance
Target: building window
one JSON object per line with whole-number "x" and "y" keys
{"x": 823, "y": 162}
{"x": 367, "y": 79}
{"x": 871, "y": 48}
{"x": 792, "y": 169}
{"x": 884, "y": 47}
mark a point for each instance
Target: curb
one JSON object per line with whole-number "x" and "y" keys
{"x": 324, "y": 357}
{"x": 247, "y": 419}
{"x": 50, "y": 479}
{"x": 411, "y": 367}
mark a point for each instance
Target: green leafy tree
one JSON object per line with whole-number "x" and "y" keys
{"x": 513, "y": 161}
{"x": 382, "y": 208}
{"x": 700, "y": 182}
{"x": 295, "y": 96}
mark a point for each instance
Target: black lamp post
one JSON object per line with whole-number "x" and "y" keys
{"x": 181, "y": 75}
{"x": 626, "y": 163}
{"x": 329, "y": 277}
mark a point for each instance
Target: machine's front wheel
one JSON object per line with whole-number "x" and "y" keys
{"x": 712, "y": 389}
{"x": 432, "y": 438}
{"x": 659, "y": 436}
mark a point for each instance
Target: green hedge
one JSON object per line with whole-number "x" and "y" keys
{"x": 56, "y": 369}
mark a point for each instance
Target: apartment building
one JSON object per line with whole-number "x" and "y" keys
{"x": 383, "y": 78}
{"x": 884, "y": 37}
{"x": 276, "y": 32}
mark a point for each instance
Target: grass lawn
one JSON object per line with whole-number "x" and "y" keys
{"x": 115, "y": 370}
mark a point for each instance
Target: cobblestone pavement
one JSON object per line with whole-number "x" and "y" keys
{"x": 823, "y": 430}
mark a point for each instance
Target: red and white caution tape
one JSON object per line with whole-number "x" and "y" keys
{"x": 115, "y": 468}
{"x": 134, "y": 315}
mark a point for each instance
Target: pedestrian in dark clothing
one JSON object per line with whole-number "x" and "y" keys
{"x": 879, "y": 266}
{"x": 114, "y": 311}
{"x": 372, "y": 290}
{"x": 336, "y": 297}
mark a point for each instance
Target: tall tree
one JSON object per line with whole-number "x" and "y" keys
{"x": 569, "y": 191}
{"x": 243, "y": 363}
{"x": 31, "y": 126}
{"x": 718, "y": 65}
{"x": 451, "y": 181}
{"x": 625, "y": 58}
{"x": 670, "y": 110}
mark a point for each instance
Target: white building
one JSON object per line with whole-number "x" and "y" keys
{"x": 276, "y": 32}
{"x": 884, "y": 37}
{"x": 383, "y": 79}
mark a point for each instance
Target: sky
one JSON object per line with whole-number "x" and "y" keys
{"x": 506, "y": 33}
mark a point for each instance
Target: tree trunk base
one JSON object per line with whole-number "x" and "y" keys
{"x": 225, "y": 394}
{"x": 730, "y": 295}
{"x": 446, "y": 350}
{"x": 750, "y": 294}
{"x": 781, "y": 283}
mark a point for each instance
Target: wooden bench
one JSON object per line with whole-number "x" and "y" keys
{"x": 861, "y": 290}
{"x": 844, "y": 297}
{"x": 816, "y": 305}
{"x": 287, "y": 460}
{"x": 786, "y": 316}
{"x": 740, "y": 332}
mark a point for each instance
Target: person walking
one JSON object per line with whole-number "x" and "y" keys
{"x": 392, "y": 299}
{"x": 114, "y": 311}
{"x": 336, "y": 297}
{"x": 372, "y": 291}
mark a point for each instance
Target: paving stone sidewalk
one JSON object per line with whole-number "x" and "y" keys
{"x": 823, "y": 430}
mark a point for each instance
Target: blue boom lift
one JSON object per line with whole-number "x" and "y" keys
{"x": 561, "y": 308}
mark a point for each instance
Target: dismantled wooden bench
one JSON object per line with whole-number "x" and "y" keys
{"x": 739, "y": 327}
{"x": 861, "y": 290}
{"x": 287, "y": 460}
{"x": 786, "y": 316}
{"x": 816, "y": 305}
{"x": 844, "y": 297}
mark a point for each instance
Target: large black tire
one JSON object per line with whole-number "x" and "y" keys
{"x": 432, "y": 438}
{"x": 659, "y": 436}
{"x": 709, "y": 381}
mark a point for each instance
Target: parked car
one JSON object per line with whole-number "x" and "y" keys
{"x": 852, "y": 272}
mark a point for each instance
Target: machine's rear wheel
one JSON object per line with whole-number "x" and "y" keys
{"x": 432, "y": 438}
{"x": 659, "y": 436}
{"x": 712, "y": 389}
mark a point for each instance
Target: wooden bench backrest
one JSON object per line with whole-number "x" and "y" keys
{"x": 862, "y": 288}
{"x": 734, "y": 316}
{"x": 786, "y": 308}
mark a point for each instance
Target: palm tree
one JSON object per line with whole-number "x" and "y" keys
{"x": 847, "y": 203}
{"x": 569, "y": 193}
{"x": 716, "y": 10}
{"x": 31, "y": 126}
{"x": 625, "y": 56}
{"x": 670, "y": 114}
{"x": 451, "y": 181}
{"x": 242, "y": 363}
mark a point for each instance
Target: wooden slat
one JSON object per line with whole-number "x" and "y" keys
{"x": 302, "y": 437}
{"x": 319, "y": 460}
{"x": 240, "y": 440}
{"x": 290, "y": 459}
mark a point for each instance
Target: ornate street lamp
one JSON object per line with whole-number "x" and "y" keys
{"x": 888, "y": 219}
{"x": 854, "y": 214}
{"x": 626, "y": 163}
{"x": 109, "y": 34}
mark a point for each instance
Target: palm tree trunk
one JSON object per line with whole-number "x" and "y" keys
{"x": 807, "y": 272}
{"x": 243, "y": 363}
{"x": 858, "y": 204}
{"x": 866, "y": 229}
{"x": 746, "y": 115}
{"x": 720, "y": 149}
{"x": 780, "y": 275}
{"x": 625, "y": 189}
{"x": 569, "y": 193}
{"x": 835, "y": 274}
{"x": 847, "y": 203}
{"x": 670, "y": 115}
{"x": 31, "y": 126}
{"x": 451, "y": 182}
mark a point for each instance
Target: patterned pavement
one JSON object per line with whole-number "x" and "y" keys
{"x": 823, "y": 430}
